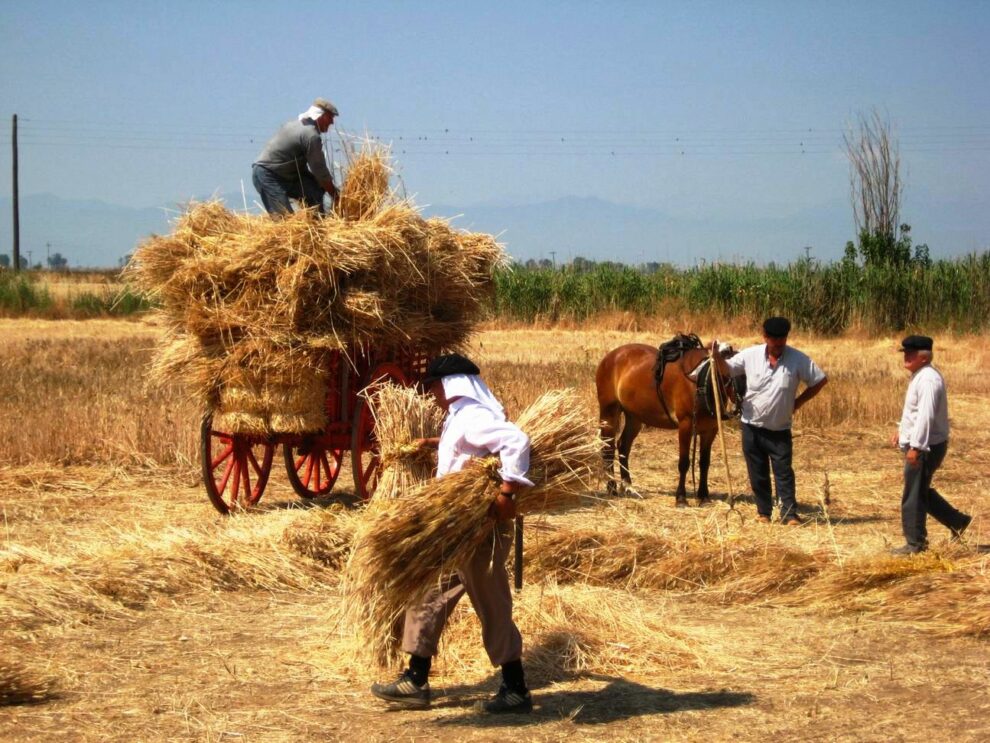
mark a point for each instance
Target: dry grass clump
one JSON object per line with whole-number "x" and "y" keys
{"x": 954, "y": 603}
{"x": 41, "y": 588}
{"x": 254, "y": 305}
{"x": 736, "y": 568}
{"x": 406, "y": 544}
{"x": 324, "y": 537}
{"x": 402, "y": 415}
{"x": 19, "y": 684}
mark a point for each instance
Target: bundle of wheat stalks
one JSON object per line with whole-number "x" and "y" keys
{"x": 254, "y": 304}
{"x": 403, "y": 546}
{"x": 402, "y": 416}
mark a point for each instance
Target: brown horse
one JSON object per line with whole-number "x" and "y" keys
{"x": 628, "y": 388}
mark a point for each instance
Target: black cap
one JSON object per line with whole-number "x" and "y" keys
{"x": 446, "y": 366}
{"x": 917, "y": 343}
{"x": 777, "y": 327}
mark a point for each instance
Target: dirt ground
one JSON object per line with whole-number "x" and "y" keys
{"x": 201, "y": 658}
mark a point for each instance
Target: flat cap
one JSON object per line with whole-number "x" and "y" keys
{"x": 777, "y": 327}
{"x": 327, "y": 106}
{"x": 917, "y": 343}
{"x": 449, "y": 365}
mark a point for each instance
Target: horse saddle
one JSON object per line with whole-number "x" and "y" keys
{"x": 672, "y": 350}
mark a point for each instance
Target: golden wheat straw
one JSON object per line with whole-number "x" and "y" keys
{"x": 405, "y": 545}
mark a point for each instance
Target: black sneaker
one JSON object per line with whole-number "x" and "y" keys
{"x": 507, "y": 701}
{"x": 958, "y": 532}
{"x": 908, "y": 549}
{"x": 404, "y": 691}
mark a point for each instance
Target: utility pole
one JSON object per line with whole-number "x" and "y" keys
{"x": 17, "y": 219}
{"x": 48, "y": 255}
{"x": 553, "y": 259}
{"x": 807, "y": 253}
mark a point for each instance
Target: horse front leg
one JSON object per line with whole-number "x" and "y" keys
{"x": 630, "y": 431}
{"x": 683, "y": 461}
{"x": 609, "y": 418}
{"x": 704, "y": 461}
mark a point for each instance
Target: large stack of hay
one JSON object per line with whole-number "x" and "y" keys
{"x": 254, "y": 305}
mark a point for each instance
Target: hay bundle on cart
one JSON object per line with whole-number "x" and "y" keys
{"x": 254, "y": 305}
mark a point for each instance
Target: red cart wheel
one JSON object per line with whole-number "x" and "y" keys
{"x": 312, "y": 469}
{"x": 235, "y": 468}
{"x": 365, "y": 458}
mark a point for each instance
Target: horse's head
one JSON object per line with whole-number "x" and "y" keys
{"x": 725, "y": 350}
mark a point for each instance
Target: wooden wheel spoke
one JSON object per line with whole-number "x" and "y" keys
{"x": 247, "y": 477}
{"x": 309, "y": 471}
{"x": 254, "y": 462}
{"x": 226, "y": 475}
{"x": 326, "y": 465}
{"x": 222, "y": 456}
{"x": 236, "y": 486}
{"x": 299, "y": 462}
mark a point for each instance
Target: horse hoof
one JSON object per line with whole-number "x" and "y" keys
{"x": 681, "y": 503}
{"x": 706, "y": 501}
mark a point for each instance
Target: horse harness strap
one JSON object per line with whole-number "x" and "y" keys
{"x": 672, "y": 350}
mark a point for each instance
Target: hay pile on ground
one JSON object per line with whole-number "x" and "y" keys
{"x": 253, "y": 305}
{"x": 402, "y": 415}
{"x": 405, "y": 545}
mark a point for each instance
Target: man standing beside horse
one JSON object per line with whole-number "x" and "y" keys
{"x": 773, "y": 372}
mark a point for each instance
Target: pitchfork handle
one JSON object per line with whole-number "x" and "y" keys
{"x": 517, "y": 565}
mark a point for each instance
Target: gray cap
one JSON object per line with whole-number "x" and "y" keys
{"x": 327, "y": 106}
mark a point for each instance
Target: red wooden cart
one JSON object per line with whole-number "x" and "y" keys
{"x": 236, "y": 466}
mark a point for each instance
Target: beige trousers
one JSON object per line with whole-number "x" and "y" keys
{"x": 486, "y": 583}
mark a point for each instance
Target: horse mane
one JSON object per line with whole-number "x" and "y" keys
{"x": 672, "y": 350}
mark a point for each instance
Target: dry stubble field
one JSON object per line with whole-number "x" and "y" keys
{"x": 131, "y": 611}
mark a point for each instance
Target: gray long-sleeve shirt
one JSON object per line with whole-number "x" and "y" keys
{"x": 295, "y": 146}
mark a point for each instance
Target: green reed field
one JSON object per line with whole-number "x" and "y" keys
{"x": 823, "y": 298}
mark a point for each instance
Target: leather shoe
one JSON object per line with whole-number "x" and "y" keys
{"x": 957, "y": 532}
{"x": 761, "y": 519}
{"x": 908, "y": 549}
{"x": 793, "y": 520}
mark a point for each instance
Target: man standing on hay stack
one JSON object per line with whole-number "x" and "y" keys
{"x": 475, "y": 426}
{"x": 773, "y": 372}
{"x": 923, "y": 436}
{"x": 292, "y": 165}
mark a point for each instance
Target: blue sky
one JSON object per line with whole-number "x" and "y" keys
{"x": 717, "y": 114}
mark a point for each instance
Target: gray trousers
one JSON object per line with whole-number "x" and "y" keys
{"x": 486, "y": 583}
{"x": 920, "y": 499}
{"x": 276, "y": 193}
{"x": 764, "y": 449}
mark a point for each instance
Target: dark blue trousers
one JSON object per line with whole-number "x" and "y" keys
{"x": 920, "y": 499}
{"x": 275, "y": 192}
{"x": 765, "y": 449}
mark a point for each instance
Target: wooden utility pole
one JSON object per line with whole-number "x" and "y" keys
{"x": 16, "y": 256}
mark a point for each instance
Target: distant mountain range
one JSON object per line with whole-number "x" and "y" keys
{"x": 94, "y": 233}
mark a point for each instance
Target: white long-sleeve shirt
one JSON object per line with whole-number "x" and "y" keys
{"x": 473, "y": 430}
{"x": 925, "y": 418}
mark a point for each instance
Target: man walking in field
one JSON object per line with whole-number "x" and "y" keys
{"x": 292, "y": 165}
{"x": 475, "y": 426}
{"x": 923, "y": 436}
{"x": 773, "y": 372}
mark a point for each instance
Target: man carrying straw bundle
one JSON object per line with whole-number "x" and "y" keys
{"x": 293, "y": 166}
{"x": 475, "y": 426}
{"x": 923, "y": 436}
